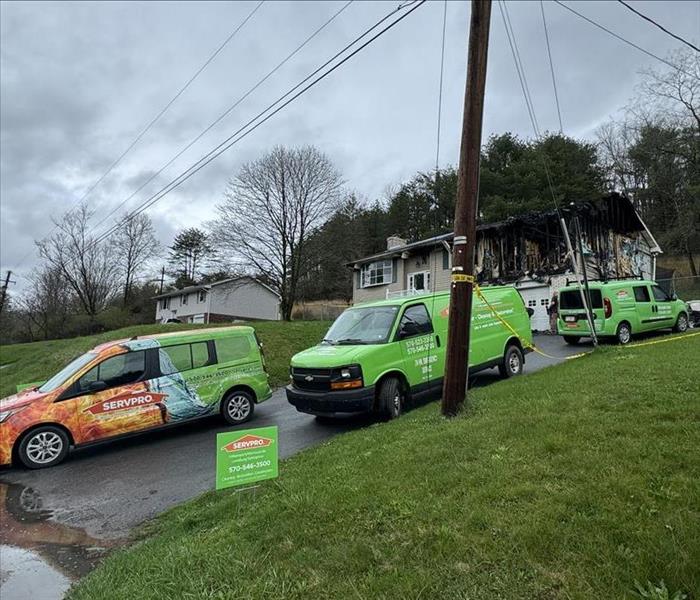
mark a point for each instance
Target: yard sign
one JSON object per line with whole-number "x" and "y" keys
{"x": 246, "y": 456}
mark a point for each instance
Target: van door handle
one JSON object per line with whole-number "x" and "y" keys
{"x": 437, "y": 340}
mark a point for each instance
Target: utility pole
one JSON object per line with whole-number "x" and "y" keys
{"x": 162, "y": 280}
{"x": 4, "y": 290}
{"x": 589, "y": 305}
{"x": 574, "y": 264}
{"x": 457, "y": 367}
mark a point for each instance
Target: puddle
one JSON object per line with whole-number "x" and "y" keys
{"x": 39, "y": 557}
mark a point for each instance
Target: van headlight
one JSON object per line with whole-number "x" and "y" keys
{"x": 6, "y": 414}
{"x": 345, "y": 378}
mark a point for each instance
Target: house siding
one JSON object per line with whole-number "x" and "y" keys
{"x": 243, "y": 299}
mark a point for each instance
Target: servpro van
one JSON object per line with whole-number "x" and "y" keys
{"x": 380, "y": 356}
{"x": 621, "y": 308}
{"x": 129, "y": 386}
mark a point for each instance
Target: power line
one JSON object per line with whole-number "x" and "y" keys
{"x": 551, "y": 67}
{"x": 227, "y": 111}
{"x": 235, "y": 138}
{"x": 442, "y": 71}
{"x": 155, "y": 119}
{"x": 661, "y": 27}
{"x": 510, "y": 34}
{"x": 519, "y": 60}
{"x": 625, "y": 40}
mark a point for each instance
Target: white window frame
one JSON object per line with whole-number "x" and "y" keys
{"x": 183, "y": 300}
{"x": 165, "y": 303}
{"x": 426, "y": 281}
{"x": 201, "y": 296}
{"x": 379, "y": 272}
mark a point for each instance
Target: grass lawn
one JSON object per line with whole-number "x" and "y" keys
{"x": 39, "y": 360}
{"x": 573, "y": 482}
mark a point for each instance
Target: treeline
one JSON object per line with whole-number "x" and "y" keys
{"x": 288, "y": 219}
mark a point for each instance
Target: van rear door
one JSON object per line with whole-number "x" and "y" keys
{"x": 573, "y": 313}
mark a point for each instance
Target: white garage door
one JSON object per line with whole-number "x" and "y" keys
{"x": 537, "y": 298}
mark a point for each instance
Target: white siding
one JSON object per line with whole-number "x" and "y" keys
{"x": 245, "y": 299}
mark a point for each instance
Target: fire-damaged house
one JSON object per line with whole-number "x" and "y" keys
{"x": 528, "y": 251}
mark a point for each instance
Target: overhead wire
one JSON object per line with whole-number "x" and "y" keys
{"x": 253, "y": 125}
{"x": 157, "y": 117}
{"x": 625, "y": 40}
{"x": 661, "y": 27}
{"x": 228, "y": 111}
{"x": 442, "y": 71}
{"x": 551, "y": 66}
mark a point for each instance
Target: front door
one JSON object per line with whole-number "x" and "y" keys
{"x": 114, "y": 398}
{"x": 419, "y": 282}
{"x": 663, "y": 308}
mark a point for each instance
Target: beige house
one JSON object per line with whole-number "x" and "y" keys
{"x": 221, "y": 301}
{"x": 528, "y": 251}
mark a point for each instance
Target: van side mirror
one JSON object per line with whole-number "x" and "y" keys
{"x": 674, "y": 297}
{"x": 97, "y": 386}
{"x": 530, "y": 311}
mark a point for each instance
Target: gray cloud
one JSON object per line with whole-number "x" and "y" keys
{"x": 80, "y": 80}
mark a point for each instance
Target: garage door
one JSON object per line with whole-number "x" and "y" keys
{"x": 537, "y": 298}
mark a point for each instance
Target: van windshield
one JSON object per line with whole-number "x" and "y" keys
{"x": 66, "y": 372}
{"x": 371, "y": 325}
{"x": 572, "y": 300}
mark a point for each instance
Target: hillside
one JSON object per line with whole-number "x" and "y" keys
{"x": 579, "y": 481}
{"x": 24, "y": 363}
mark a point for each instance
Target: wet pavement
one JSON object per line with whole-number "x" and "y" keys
{"x": 56, "y": 524}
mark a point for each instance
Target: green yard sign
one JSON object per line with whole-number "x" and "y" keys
{"x": 246, "y": 456}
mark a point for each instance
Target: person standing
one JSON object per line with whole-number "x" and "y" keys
{"x": 553, "y": 312}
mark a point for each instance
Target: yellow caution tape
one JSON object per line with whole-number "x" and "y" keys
{"x": 663, "y": 341}
{"x": 524, "y": 343}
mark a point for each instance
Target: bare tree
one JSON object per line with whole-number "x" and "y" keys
{"x": 134, "y": 245}
{"x": 47, "y": 304}
{"x": 270, "y": 211}
{"x": 88, "y": 267}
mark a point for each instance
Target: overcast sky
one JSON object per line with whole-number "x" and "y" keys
{"x": 80, "y": 80}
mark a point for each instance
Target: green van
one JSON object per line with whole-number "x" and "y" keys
{"x": 621, "y": 308}
{"x": 379, "y": 357}
{"x": 130, "y": 386}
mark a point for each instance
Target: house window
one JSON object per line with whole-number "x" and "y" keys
{"x": 183, "y": 299}
{"x": 419, "y": 282}
{"x": 376, "y": 273}
{"x": 445, "y": 260}
{"x": 544, "y": 301}
{"x": 532, "y": 303}
{"x": 202, "y": 296}
{"x": 165, "y": 303}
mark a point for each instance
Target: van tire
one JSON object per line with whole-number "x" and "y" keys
{"x": 391, "y": 398}
{"x": 512, "y": 364}
{"x": 623, "y": 334}
{"x": 681, "y": 325}
{"x": 49, "y": 439}
{"x": 572, "y": 340}
{"x": 237, "y": 407}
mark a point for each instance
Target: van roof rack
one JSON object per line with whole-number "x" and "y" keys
{"x": 605, "y": 279}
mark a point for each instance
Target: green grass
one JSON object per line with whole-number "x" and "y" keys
{"x": 37, "y": 361}
{"x": 573, "y": 482}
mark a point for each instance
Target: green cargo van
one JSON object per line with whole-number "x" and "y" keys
{"x": 621, "y": 308}
{"x": 135, "y": 385}
{"x": 379, "y": 357}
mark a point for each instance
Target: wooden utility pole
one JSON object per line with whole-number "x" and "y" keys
{"x": 4, "y": 290}
{"x": 457, "y": 367}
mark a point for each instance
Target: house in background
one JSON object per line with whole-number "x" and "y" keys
{"x": 528, "y": 251}
{"x": 221, "y": 301}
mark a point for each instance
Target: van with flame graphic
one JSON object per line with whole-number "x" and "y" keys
{"x": 129, "y": 386}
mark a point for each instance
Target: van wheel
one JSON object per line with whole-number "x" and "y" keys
{"x": 572, "y": 340}
{"x": 237, "y": 407}
{"x": 391, "y": 398}
{"x": 512, "y": 364}
{"x": 681, "y": 323}
{"x": 43, "y": 447}
{"x": 623, "y": 333}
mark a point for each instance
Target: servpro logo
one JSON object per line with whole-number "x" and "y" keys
{"x": 247, "y": 442}
{"x": 125, "y": 401}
